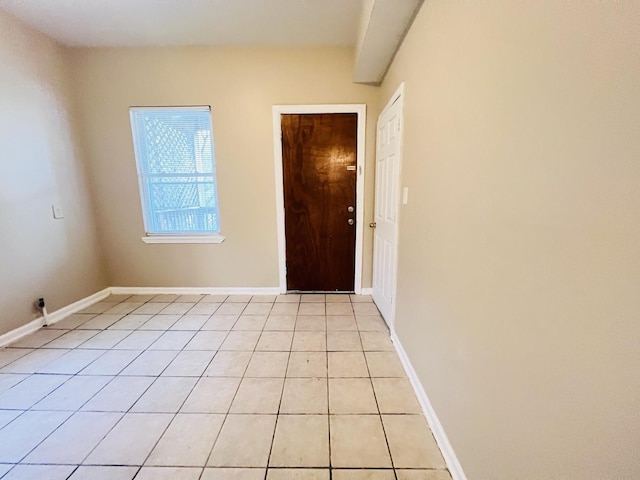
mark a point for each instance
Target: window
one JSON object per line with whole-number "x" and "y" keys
{"x": 176, "y": 173}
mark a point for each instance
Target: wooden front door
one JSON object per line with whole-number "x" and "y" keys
{"x": 319, "y": 173}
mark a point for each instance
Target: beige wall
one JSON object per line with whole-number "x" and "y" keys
{"x": 519, "y": 269}
{"x": 241, "y": 85}
{"x": 40, "y": 164}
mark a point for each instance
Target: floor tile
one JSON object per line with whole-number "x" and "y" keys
{"x": 213, "y": 299}
{"x": 312, "y": 298}
{"x": 268, "y": 364}
{"x": 30, "y": 391}
{"x": 361, "y": 298}
{"x": 100, "y": 307}
{"x": 231, "y": 308}
{"x": 85, "y": 472}
{"x": 304, "y": 395}
{"x": 72, "y": 339}
{"x": 233, "y": 474}
{"x": 189, "y": 298}
{"x": 341, "y": 323}
{"x": 72, "y": 362}
{"x": 207, "y": 308}
{"x": 190, "y": 322}
{"x": 100, "y": 322}
{"x": 338, "y": 474}
{"x": 301, "y": 441}
{"x": 138, "y": 340}
{"x": 239, "y": 298}
{"x": 211, "y": 395}
{"x": 189, "y": 364}
{"x": 75, "y": 439}
{"x": 423, "y": 475}
{"x": 220, "y": 322}
{"x": 365, "y": 309}
{"x": 339, "y": 309}
{"x": 371, "y": 323}
{"x": 347, "y": 364}
{"x": 384, "y": 364}
{"x": 177, "y": 308}
{"x": 169, "y": 473}
{"x": 411, "y": 442}
{"x": 343, "y": 342}
{"x": 376, "y": 341}
{"x": 166, "y": 298}
{"x": 311, "y": 323}
{"x": 285, "y": 309}
{"x": 228, "y": 364}
{"x": 351, "y": 396}
{"x": 160, "y": 322}
{"x": 298, "y": 474}
{"x": 33, "y": 360}
{"x": 311, "y": 308}
{"x": 72, "y": 321}
{"x": 131, "y": 440}
{"x": 39, "y": 472}
{"x": 7, "y": 416}
{"x": 150, "y": 362}
{"x": 258, "y": 309}
{"x": 275, "y": 341}
{"x": 73, "y": 394}
{"x": 172, "y": 341}
{"x": 38, "y": 339}
{"x": 151, "y": 308}
{"x": 8, "y": 355}
{"x": 258, "y": 395}
{"x": 19, "y": 437}
{"x": 337, "y": 298}
{"x": 105, "y": 339}
{"x": 307, "y": 364}
{"x": 280, "y": 322}
{"x": 111, "y": 363}
{"x": 358, "y": 441}
{"x": 188, "y": 440}
{"x": 165, "y": 395}
{"x": 234, "y": 448}
{"x": 130, "y": 322}
{"x": 242, "y": 341}
{"x": 119, "y": 395}
{"x": 250, "y": 322}
{"x": 395, "y": 395}
{"x": 304, "y": 341}
{"x": 263, "y": 299}
{"x": 8, "y": 380}
{"x": 288, "y": 298}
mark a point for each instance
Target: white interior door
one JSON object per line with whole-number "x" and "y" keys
{"x": 385, "y": 249}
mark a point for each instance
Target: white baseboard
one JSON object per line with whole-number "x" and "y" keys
{"x": 436, "y": 427}
{"x": 53, "y": 317}
{"x": 366, "y": 291}
{"x": 196, "y": 290}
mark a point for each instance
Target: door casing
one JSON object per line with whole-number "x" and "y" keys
{"x": 278, "y": 111}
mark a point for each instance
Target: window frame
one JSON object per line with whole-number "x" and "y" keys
{"x": 169, "y": 237}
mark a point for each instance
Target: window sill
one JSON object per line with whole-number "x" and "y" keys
{"x": 183, "y": 239}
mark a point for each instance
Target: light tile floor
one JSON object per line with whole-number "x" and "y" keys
{"x": 213, "y": 387}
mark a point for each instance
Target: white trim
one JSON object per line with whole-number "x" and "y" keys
{"x": 53, "y": 317}
{"x": 196, "y": 290}
{"x": 366, "y": 291}
{"x": 436, "y": 427}
{"x": 183, "y": 239}
{"x": 361, "y": 110}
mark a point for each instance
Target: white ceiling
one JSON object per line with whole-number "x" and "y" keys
{"x": 111, "y": 23}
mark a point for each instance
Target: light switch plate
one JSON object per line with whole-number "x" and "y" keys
{"x": 57, "y": 211}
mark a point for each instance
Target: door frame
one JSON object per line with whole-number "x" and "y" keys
{"x": 398, "y": 96}
{"x": 278, "y": 111}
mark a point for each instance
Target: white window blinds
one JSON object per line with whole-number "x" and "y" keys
{"x": 176, "y": 169}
